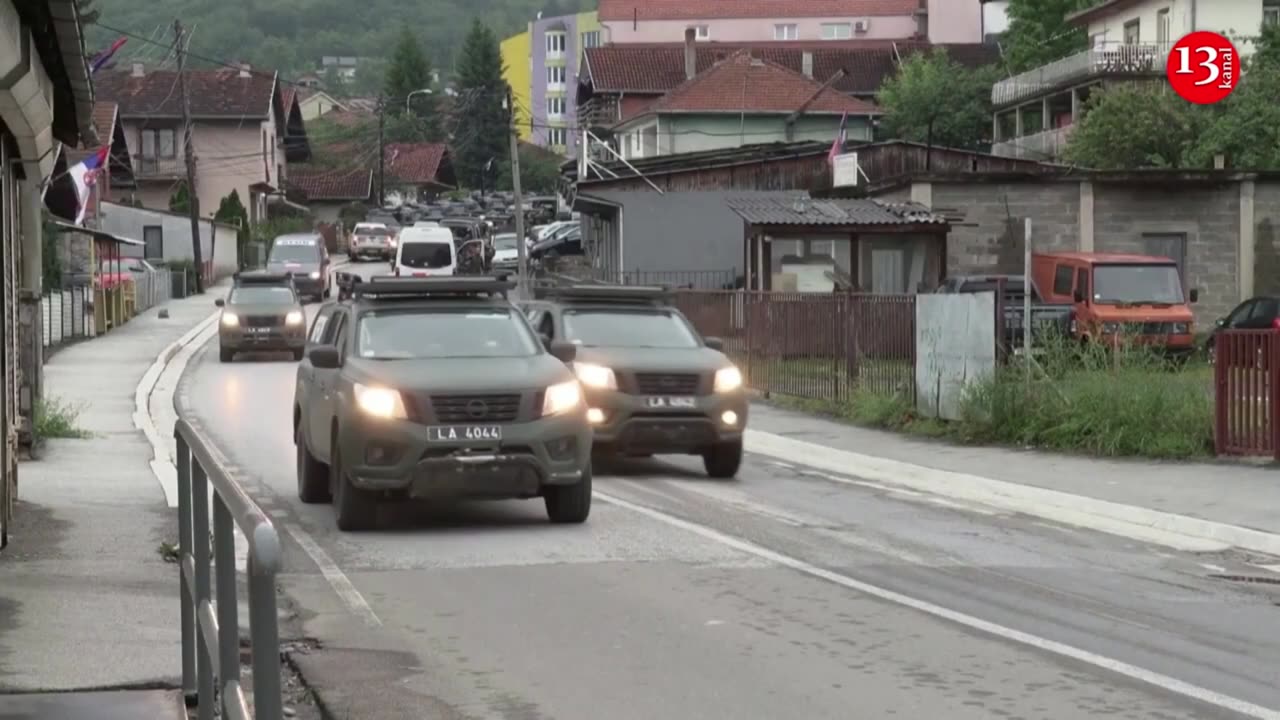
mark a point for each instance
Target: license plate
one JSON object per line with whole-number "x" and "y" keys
{"x": 672, "y": 402}
{"x": 464, "y": 433}
{"x": 260, "y": 330}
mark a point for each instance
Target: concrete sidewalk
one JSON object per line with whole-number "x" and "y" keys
{"x": 1236, "y": 495}
{"x": 86, "y": 599}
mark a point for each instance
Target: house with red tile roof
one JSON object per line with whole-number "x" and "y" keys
{"x": 648, "y": 21}
{"x": 246, "y": 128}
{"x": 411, "y": 171}
{"x": 743, "y": 100}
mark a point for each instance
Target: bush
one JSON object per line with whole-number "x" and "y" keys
{"x": 56, "y": 419}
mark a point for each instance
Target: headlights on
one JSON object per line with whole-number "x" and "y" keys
{"x": 380, "y": 402}
{"x": 596, "y": 376}
{"x": 728, "y": 379}
{"x": 562, "y": 398}
{"x": 230, "y": 319}
{"x": 315, "y": 275}
{"x": 293, "y": 318}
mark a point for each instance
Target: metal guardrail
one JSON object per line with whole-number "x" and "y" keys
{"x": 211, "y": 626}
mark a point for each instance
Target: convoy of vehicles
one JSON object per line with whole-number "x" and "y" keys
{"x": 372, "y": 241}
{"x": 261, "y": 314}
{"x": 305, "y": 257}
{"x": 425, "y": 252}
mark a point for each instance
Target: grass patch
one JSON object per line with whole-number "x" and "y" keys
{"x": 56, "y": 419}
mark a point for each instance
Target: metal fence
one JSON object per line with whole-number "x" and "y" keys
{"x": 152, "y": 288}
{"x": 67, "y": 314}
{"x": 812, "y": 345}
{"x": 211, "y": 625}
{"x": 1246, "y": 369}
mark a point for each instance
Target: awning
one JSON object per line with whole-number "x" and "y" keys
{"x": 96, "y": 234}
{"x": 593, "y": 205}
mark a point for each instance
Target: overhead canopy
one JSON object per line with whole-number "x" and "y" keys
{"x": 96, "y": 234}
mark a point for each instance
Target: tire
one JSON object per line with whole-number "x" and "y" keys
{"x": 723, "y": 460}
{"x": 226, "y": 355}
{"x": 569, "y": 504}
{"x": 298, "y": 355}
{"x": 313, "y": 475}
{"x": 354, "y": 508}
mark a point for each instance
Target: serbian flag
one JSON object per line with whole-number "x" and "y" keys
{"x": 84, "y": 174}
{"x": 101, "y": 58}
{"x": 837, "y": 146}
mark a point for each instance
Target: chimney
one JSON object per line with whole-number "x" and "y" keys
{"x": 806, "y": 64}
{"x": 244, "y": 69}
{"x": 690, "y": 53}
{"x": 139, "y": 70}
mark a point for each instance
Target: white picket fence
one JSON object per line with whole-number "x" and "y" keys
{"x": 67, "y": 315}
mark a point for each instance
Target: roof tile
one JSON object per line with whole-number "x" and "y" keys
{"x": 213, "y": 93}
{"x": 715, "y": 9}
{"x": 415, "y": 163}
{"x": 332, "y": 184}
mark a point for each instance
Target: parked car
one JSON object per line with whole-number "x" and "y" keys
{"x": 1256, "y": 313}
{"x": 566, "y": 241}
{"x": 1046, "y": 318}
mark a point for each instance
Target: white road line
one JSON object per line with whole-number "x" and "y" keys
{"x": 1132, "y": 672}
{"x": 337, "y": 579}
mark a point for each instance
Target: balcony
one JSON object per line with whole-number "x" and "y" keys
{"x": 1043, "y": 146}
{"x": 600, "y": 111}
{"x": 153, "y": 168}
{"x": 1107, "y": 61}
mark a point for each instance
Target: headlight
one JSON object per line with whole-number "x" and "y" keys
{"x": 230, "y": 319}
{"x": 1111, "y": 327}
{"x": 380, "y": 402}
{"x": 728, "y": 379}
{"x": 561, "y": 398}
{"x": 315, "y": 275}
{"x": 1180, "y": 328}
{"x": 293, "y": 318}
{"x": 596, "y": 376}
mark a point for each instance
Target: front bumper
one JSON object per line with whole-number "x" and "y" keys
{"x": 247, "y": 339}
{"x": 397, "y": 457}
{"x": 631, "y": 426}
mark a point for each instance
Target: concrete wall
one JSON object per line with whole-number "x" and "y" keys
{"x": 884, "y": 27}
{"x": 517, "y": 70}
{"x": 216, "y": 239}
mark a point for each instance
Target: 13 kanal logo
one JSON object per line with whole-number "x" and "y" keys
{"x": 1203, "y": 67}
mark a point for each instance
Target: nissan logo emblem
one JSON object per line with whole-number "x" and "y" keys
{"x": 477, "y": 409}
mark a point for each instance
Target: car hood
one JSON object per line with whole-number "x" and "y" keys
{"x": 462, "y": 375}
{"x": 262, "y": 309}
{"x": 699, "y": 359}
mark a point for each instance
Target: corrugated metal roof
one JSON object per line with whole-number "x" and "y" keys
{"x": 797, "y": 208}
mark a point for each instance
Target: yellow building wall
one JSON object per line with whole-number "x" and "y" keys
{"x": 517, "y": 70}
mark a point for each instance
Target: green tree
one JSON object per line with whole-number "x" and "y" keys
{"x": 935, "y": 100}
{"x": 408, "y": 72}
{"x": 1135, "y": 125}
{"x": 1245, "y": 127}
{"x": 1039, "y": 33}
{"x": 232, "y": 212}
{"x": 539, "y": 171}
{"x": 482, "y": 121}
{"x": 180, "y": 200}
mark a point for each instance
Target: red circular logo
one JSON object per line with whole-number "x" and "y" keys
{"x": 1203, "y": 67}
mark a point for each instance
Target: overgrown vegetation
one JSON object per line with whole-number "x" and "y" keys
{"x": 57, "y": 419}
{"x": 935, "y": 100}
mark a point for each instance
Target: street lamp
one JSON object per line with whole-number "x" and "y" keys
{"x": 423, "y": 91}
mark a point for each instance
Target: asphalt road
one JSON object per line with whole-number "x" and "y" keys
{"x": 784, "y": 593}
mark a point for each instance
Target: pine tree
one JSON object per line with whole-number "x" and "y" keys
{"x": 482, "y": 121}
{"x": 408, "y": 71}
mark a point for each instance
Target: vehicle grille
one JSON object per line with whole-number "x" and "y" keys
{"x": 667, "y": 384}
{"x": 475, "y": 408}
{"x": 1148, "y": 328}
{"x": 263, "y": 320}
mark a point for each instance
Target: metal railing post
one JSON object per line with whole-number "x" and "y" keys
{"x": 265, "y": 640}
{"x": 200, "y": 537}
{"x": 183, "y": 463}
{"x": 224, "y": 563}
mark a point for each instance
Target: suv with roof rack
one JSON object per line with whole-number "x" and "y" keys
{"x": 432, "y": 388}
{"x": 263, "y": 313}
{"x": 653, "y": 384}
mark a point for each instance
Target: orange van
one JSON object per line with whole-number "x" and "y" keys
{"x": 1136, "y": 297}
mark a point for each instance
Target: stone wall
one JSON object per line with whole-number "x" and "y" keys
{"x": 987, "y": 235}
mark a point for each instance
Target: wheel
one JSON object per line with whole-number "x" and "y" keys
{"x": 569, "y": 504}
{"x": 355, "y": 509}
{"x": 313, "y": 475}
{"x": 298, "y": 354}
{"x": 226, "y": 354}
{"x": 723, "y": 460}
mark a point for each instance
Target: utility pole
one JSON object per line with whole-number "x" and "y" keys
{"x": 522, "y": 249}
{"x": 189, "y": 153}
{"x": 382, "y": 153}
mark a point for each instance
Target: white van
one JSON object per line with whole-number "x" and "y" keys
{"x": 424, "y": 252}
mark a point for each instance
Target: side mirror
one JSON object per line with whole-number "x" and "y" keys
{"x": 546, "y": 341}
{"x": 1195, "y": 295}
{"x": 564, "y": 352}
{"x": 1078, "y": 296}
{"x": 714, "y": 343}
{"x": 324, "y": 357}
{"x": 220, "y": 302}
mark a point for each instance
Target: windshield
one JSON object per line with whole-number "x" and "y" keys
{"x": 426, "y": 255}
{"x": 482, "y": 333}
{"x": 1119, "y": 284}
{"x": 263, "y": 295}
{"x": 297, "y": 253}
{"x": 372, "y": 231}
{"x": 628, "y": 328}
{"x": 505, "y": 242}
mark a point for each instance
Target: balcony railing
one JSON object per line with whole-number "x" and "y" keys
{"x": 153, "y": 168}
{"x": 600, "y": 111}
{"x": 1042, "y": 146}
{"x": 1108, "y": 60}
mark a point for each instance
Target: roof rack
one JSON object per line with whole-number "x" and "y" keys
{"x": 261, "y": 277}
{"x": 454, "y": 286}
{"x": 620, "y": 294}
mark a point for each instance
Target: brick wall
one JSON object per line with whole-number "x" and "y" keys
{"x": 989, "y": 238}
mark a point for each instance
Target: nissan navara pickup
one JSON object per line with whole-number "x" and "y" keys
{"x": 261, "y": 314}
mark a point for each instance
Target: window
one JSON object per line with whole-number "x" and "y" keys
{"x": 264, "y": 295}
{"x": 555, "y": 76}
{"x": 702, "y": 32}
{"x": 555, "y": 137}
{"x": 153, "y": 238}
{"x": 621, "y": 328}
{"x": 591, "y": 39}
{"x": 837, "y": 31}
{"x": 555, "y": 44}
{"x": 786, "y": 32}
{"x": 1062, "y": 277}
{"x": 1132, "y": 32}
{"x": 1162, "y": 27}
{"x": 1271, "y": 12}
{"x": 1082, "y": 282}
{"x": 555, "y": 107}
{"x": 1115, "y": 284}
{"x": 158, "y": 143}
{"x": 1170, "y": 245}
{"x": 477, "y": 332}
{"x": 317, "y": 328}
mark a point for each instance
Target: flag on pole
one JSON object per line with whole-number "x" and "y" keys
{"x": 84, "y": 174}
{"x": 101, "y": 58}
{"x": 837, "y": 146}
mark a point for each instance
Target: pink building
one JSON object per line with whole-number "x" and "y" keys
{"x": 649, "y": 21}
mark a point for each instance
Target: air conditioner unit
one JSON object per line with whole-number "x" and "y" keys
{"x": 862, "y": 26}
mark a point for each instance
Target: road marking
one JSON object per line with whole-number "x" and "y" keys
{"x": 337, "y": 579}
{"x": 1133, "y": 672}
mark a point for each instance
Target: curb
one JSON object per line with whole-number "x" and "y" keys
{"x": 1180, "y": 532}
